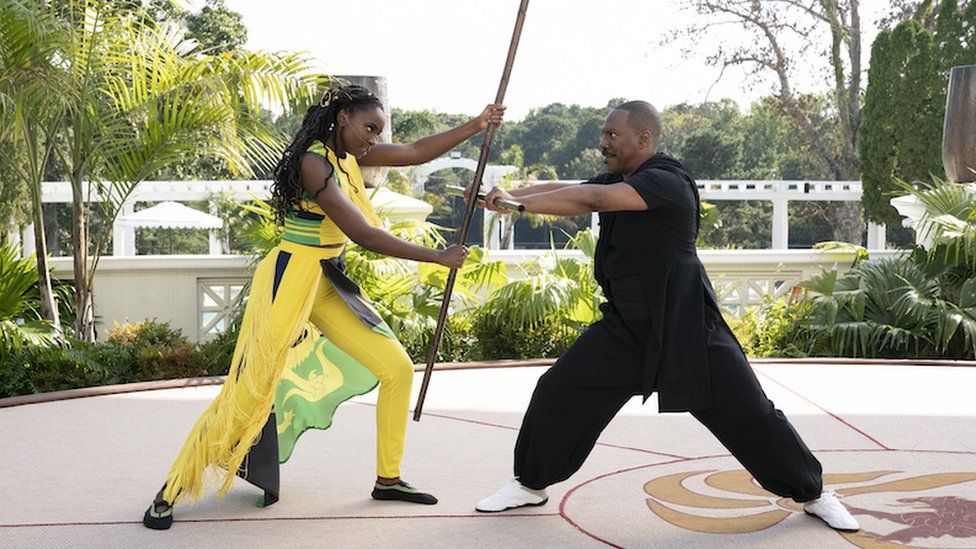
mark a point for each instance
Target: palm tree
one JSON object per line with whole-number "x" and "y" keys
{"x": 30, "y": 116}
{"x": 141, "y": 97}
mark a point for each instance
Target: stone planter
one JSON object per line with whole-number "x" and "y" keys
{"x": 912, "y": 210}
{"x": 959, "y": 128}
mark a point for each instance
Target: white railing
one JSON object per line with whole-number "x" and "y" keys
{"x": 197, "y": 294}
{"x": 780, "y": 193}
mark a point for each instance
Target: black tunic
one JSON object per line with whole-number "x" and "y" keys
{"x": 654, "y": 250}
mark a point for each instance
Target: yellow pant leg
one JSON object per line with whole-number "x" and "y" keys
{"x": 385, "y": 358}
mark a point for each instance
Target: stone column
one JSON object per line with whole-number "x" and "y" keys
{"x": 877, "y": 236}
{"x": 124, "y": 238}
{"x": 781, "y": 224}
{"x": 28, "y": 240}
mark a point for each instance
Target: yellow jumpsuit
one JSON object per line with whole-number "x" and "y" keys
{"x": 293, "y": 285}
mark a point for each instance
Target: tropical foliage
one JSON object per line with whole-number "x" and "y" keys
{"x": 142, "y": 351}
{"x": 780, "y": 328}
{"x": 21, "y": 325}
{"x": 921, "y": 304}
{"x": 135, "y": 96}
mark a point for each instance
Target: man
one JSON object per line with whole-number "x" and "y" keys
{"x": 661, "y": 331}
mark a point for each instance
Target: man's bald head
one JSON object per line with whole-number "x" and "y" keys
{"x": 642, "y": 116}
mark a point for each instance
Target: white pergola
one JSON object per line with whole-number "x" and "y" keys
{"x": 492, "y": 176}
{"x": 173, "y": 215}
{"x": 780, "y": 193}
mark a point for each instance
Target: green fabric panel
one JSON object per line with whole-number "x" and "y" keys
{"x": 299, "y": 239}
{"x": 298, "y": 222}
{"x": 312, "y": 387}
{"x": 301, "y": 230}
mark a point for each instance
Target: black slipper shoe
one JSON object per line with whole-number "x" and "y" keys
{"x": 159, "y": 516}
{"x": 401, "y": 491}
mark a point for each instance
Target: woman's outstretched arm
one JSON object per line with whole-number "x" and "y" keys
{"x": 345, "y": 214}
{"x": 428, "y": 148}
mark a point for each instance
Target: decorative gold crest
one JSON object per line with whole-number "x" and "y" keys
{"x": 930, "y": 516}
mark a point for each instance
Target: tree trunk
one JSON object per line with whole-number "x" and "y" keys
{"x": 52, "y": 229}
{"x": 49, "y": 309}
{"x": 847, "y": 221}
{"x": 84, "y": 325}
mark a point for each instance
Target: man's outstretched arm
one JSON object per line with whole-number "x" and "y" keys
{"x": 534, "y": 189}
{"x": 541, "y": 188}
{"x": 574, "y": 200}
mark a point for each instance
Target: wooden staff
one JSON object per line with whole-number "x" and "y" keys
{"x": 472, "y": 202}
{"x": 509, "y": 205}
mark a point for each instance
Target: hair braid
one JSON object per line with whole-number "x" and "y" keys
{"x": 320, "y": 124}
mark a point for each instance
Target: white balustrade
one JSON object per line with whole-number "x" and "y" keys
{"x": 198, "y": 294}
{"x": 780, "y": 193}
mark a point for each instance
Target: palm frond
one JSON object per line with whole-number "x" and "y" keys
{"x": 949, "y": 219}
{"x": 17, "y": 276}
{"x": 528, "y": 302}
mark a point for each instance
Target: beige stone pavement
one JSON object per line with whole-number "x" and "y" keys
{"x": 897, "y": 442}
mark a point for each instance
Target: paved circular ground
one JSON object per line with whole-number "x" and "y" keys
{"x": 902, "y": 498}
{"x": 898, "y": 443}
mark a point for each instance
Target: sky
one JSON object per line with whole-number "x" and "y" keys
{"x": 448, "y": 55}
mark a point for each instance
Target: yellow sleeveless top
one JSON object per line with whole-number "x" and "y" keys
{"x": 308, "y": 224}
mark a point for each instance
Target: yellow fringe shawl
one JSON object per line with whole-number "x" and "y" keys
{"x": 225, "y": 433}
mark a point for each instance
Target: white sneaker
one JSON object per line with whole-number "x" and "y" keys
{"x": 510, "y": 496}
{"x": 829, "y": 509}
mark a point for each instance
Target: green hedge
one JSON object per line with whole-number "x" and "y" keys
{"x": 152, "y": 350}
{"x": 143, "y": 351}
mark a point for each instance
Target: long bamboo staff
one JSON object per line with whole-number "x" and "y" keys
{"x": 472, "y": 201}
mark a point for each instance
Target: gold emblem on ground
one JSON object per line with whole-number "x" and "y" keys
{"x": 745, "y": 507}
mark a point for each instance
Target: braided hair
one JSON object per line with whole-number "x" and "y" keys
{"x": 320, "y": 124}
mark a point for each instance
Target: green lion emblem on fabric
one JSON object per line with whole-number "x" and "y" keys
{"x": 318, "y": 377}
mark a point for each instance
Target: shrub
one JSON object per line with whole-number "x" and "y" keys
{"x": 146, "y": 332}
{"x": 58, "y": 369}
{"x": 498, "y": 340}
{"x": 14, "y": 376}
{"x": 458, "y": 344}
{"x": 216, "y": 354}
{"x": 895, "y": 308}
{"x": 109, "y": 362}
{"x": 779, "y": 328}
{"x": 168, "y": 362}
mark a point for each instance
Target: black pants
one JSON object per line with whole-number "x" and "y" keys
{"x": 576, "y": 399}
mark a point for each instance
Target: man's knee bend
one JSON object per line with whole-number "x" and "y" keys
{"x": 550, "y": 380}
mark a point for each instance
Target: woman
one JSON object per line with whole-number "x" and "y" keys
{"x": 319, "y": 196}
